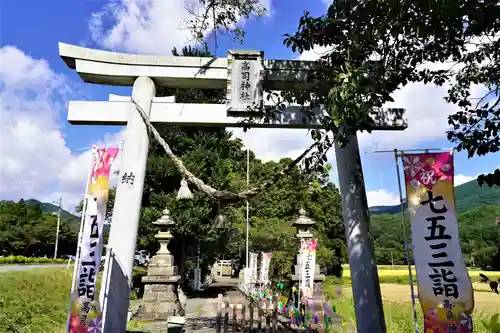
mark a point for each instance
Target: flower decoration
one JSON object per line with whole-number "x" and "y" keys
{"x": 75, "y": 324}
{"x": 96, "y": 325}
{"x": 446, "y": 168}
{"x": 466, "y": 321}
{"x": 432, "y": 314}
{"x": 411, "y": 165}
{"x": 415, "y": 184}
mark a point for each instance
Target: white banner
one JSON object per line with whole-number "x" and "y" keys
{"x": 264, "y": 267}
{"x": 91, "y": 249}
{"x": 308, "y": 264}
{"x": 247, "y": 279}
{"x": 84, "y": 310}
{"x": 444, "y": 287}
{"x": 253, "y": 266}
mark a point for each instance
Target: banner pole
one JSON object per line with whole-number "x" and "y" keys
{"x": 80, "y": 234}
{"x": 300, "y": 274}
{"x": 405, "y": 236}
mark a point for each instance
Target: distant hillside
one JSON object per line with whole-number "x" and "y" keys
{"x": 468, "y": 195}
{"x": 375, "y": 210}
{"x": 51, "y": 208}
{"x": 471, "y": 195}
{"x": 65, "y": 215}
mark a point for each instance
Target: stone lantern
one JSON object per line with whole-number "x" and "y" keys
{"x": 160, "y": 299}
{"x": 303, "y": 224}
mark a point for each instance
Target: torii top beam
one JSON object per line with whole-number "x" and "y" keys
{"x": 121, "y": 69}
{"x": 113, "y": 68}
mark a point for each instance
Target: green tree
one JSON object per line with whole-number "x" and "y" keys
{"x": 26, "y": 230}
{"x": 367, "y": 63}
{"x": 218, "y": 159}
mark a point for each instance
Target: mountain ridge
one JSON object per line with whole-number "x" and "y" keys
{"x": 467, "y": 196}
{"x": 47, "y": 207}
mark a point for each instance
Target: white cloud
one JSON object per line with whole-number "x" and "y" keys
{"x": 35, "y": 161}
{"x": 382, "y": 198}
{"x": 147, "y": 26}
{"x": 314, "y": 53}
{"x": 273, "y": 144}
{"x": 462, "y": 179}
{"x": 32, "y": 146}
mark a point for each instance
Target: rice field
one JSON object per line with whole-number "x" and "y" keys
{"x": 399, "y": 274}
{"x": 395, "y": 289}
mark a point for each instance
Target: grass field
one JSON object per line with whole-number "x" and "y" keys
{"x": 36, "y": 301}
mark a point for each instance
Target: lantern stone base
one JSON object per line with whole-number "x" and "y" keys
{"x": 160, "y": 299}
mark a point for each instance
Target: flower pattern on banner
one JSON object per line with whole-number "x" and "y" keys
{"x": 466, "y": 321}
{"x": 76, "y": 325}
{"x": 102, "y": 164}
{"x": 96, "y": 325}
{"x": 432, "y": 314}
{"x": 412, "y": 164}
{"x": 427, "y": 169}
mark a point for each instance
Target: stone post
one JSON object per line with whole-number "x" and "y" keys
{"x": 160, "y": 299}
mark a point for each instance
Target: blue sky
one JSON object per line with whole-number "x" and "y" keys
{"x": 43, "y": 156}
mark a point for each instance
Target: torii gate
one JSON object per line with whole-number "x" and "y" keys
{"x": 242, "y": 75}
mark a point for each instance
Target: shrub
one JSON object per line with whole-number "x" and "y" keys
{"x": 21, "y": 260}
{"x": 137, "y": 284}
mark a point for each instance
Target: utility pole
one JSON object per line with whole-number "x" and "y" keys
{"x": 57, "y": 230}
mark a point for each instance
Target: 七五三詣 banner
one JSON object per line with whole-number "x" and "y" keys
{"x": 308, "y": 265}
{"x": 444, "y": 286}
{"x": 264, "y": 267}
{"x": 85, "y": 314}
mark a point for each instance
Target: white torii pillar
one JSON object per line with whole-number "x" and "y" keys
{"x": 112, "y": 68}
{"x": 126, "y": 211}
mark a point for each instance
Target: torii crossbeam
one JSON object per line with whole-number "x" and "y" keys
{"x": 242, "y": 74}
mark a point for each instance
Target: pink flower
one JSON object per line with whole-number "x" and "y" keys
{"x": 76, "y": 325}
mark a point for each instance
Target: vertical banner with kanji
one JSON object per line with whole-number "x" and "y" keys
{"x": 85, "y": 313}
{"x": 444, "y": 286}
{"x": 308, "y": 264}
{"x": 264, "y": 267}
{"x": 253, "y": 266}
